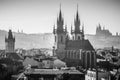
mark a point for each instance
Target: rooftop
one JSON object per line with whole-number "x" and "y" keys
{"x": 79, "y": 44}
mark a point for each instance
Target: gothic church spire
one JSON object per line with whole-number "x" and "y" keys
{"x": 77, "y": 22}
{"x": 60, "y": 22}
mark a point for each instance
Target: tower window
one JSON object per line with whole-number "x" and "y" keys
{"x": 78, "y": 37}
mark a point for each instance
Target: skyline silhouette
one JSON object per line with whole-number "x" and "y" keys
{"x": 38, "y": 16}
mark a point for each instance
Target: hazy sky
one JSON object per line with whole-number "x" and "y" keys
{"x": 39, "y": 16}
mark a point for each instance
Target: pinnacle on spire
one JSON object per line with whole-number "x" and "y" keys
{"x": 60, "y": 22}
{"x": 10, "y": 36}
{"x": 77, "y": 14}
{"x": 60, "y": 14}
{"x": 77, "y": 22}
{"x": 77, "y": 19}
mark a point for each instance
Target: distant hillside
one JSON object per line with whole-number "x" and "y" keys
{"x": 101, "y": 42}
{"x": 28, "y": 41}
{"x": 46, "y": 40}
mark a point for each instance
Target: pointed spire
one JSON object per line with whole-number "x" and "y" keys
{"x": 60, "y": 14}
{"x": 77, "y": 22}
{"x": 60, "y": 18}
{"x": 10, "y": 36}
{"x": 77, "y": 14}
{"x": 60, "y": 22}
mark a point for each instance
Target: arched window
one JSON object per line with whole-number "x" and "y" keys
{"x": 78, "y": 37}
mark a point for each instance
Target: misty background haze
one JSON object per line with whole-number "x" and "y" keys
{"x": 39, "y": 16}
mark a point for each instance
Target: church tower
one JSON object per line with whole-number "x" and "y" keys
{"x": 77, "y": 33}
{"x": 60, "y": 33}
{"x": 10, "y": 43}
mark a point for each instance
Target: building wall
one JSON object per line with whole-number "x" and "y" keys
{"x": 86, "y": 59}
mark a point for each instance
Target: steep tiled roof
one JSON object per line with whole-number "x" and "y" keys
{"x": 79, "y": 44}
{"x": 14, "y": 56}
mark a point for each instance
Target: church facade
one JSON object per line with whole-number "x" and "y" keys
{"x": 77, "y": 51}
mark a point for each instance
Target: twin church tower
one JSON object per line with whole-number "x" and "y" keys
{"x": 77, "y": 51}
{"x": 61, "y": 34}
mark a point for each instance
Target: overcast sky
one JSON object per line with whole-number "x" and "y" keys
{"x": 39, "y": 16}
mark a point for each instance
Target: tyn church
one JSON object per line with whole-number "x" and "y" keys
{"x": 77, "y": 51}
